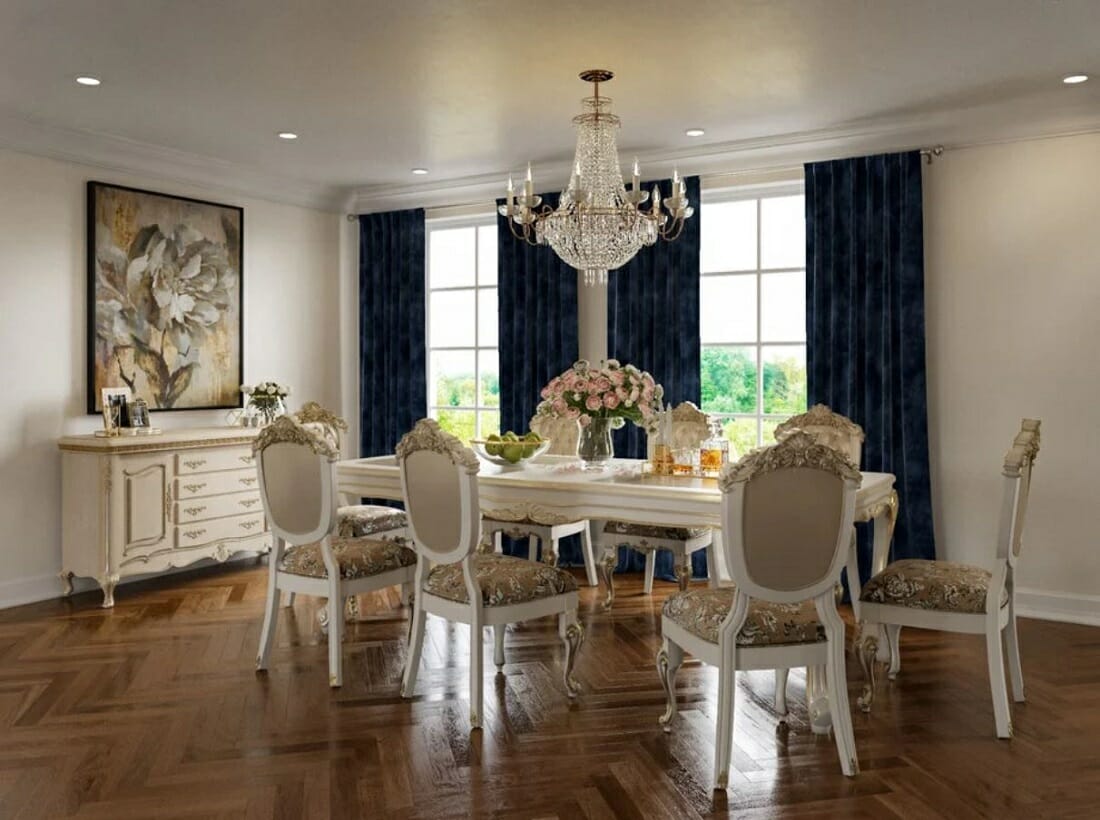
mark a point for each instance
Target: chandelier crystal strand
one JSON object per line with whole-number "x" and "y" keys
{"x": 598, "y": 225}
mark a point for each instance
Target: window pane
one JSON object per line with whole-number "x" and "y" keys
{"x": 768, "y": 430}
{"x": 452, "y": 378}
{"x": 742, "y": 436}
{"x": 729, "y": 379}
{"x": 451, "y": 257}
{"x": 728, "y": 236}
{"x": 783, "y": 307}
{"x": 489, "y": 362}
{"x": 728, "y": 309}
{"x": 784, "y": 379}
{"x": 458, "y": 423}
{"x": 487, "y": 309}
{"x": 490, "y": 423}
{"x": 487, "y": 255}
{"x": 783, "y": 232}
{"x": 452, "y": 318}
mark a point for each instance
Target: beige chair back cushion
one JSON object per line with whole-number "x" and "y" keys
{"x": 434, "y": 500}
{"x": 294, "y": 485}
{"x": 563, "y": 434}
{"x": 790, "y": 521}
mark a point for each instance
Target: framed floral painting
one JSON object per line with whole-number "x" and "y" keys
{"x": 164, "y": 298}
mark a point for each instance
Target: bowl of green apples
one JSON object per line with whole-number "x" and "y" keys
{"x": 509, "y": 451}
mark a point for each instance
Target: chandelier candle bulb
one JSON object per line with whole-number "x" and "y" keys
{"x": 529, "y": 184}
{"x": 637, "y": 180}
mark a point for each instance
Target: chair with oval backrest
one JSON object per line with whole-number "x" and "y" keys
{"x": 538, "y": 524}
{"x": 354, "y": 520}
{"x": 787, "y": 515}
{"x": 690, "y": 427}
{"x": 296, "y": 469}
{"x": 955, "y": 597}
{"x": 839, "y": 432}
{"x": 453, "y": 580}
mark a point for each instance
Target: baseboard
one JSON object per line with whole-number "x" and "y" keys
{"x": 21, "y": 591}
{"x": 1058, "y": 606}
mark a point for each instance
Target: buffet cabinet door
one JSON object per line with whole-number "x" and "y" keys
{"x": 142, "y": 501}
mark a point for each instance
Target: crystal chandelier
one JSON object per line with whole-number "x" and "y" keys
{"x": 598, "y": 225}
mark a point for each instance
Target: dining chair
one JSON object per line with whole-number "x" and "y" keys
{"x": 690, "y": 427}
{"x": 296, "y": 469}
{"x": 456, "y": 582}
{"x": 839, "y": 432}
{"x": 540, "y": 526}
{"x": 355, "y": 520}
{"x": 956, "y": 597}
{"x": 787, "y": 515}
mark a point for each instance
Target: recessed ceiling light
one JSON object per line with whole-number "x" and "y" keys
{"x": 88, "y": 80}
{"x": 420, "y": 171}
{"x": 287, "y": 135}
{"x": 1074, "y": 79}
{"x": 695, "y": 132}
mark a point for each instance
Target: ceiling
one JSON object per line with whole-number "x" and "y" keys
{"x": 472, "y": 89}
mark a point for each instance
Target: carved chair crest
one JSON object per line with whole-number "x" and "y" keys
{"x": 286, "y": 430}
{"x": 312, "y": 412}
{"x": 797, "y": 449}
{"x": 428, "y": 435}
{"x": 562, "y": 433}
{"x": 690, "y": 425}
{"x": 1025, "y": 448}
{"x": 820, "y": 416}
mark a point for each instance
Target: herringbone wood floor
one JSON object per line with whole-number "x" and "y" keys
{"x": 154, "y": 710}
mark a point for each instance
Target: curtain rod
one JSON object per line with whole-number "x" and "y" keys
{"x": 928, "y": 154}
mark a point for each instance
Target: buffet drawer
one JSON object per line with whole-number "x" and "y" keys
{"x": 203, "y": 509}
{"x": 220, "y": 529}
{"x": 190, "y": 462}
{"x": 204, "y": 484}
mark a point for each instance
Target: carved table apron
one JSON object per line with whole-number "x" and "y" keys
{"x": 553, "y": 484}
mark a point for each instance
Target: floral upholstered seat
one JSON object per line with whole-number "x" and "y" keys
{"x": 939, "y": 585}
{"x": 367, "y": 519}
{"x": 652, "y": 531}
{"x": 356, "y": 557}
{"x": 503, "y": 579}
{"x": 702, "y": 611}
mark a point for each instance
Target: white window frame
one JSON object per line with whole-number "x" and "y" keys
{"x": 741, "y": 194}
{"x": 449, "y": 223}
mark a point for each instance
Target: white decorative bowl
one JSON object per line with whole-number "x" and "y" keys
{"x": 480, "y": 446}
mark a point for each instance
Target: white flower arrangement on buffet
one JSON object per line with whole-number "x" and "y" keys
{"x": 268, "y": 399}
{"x": 615, "y": 391}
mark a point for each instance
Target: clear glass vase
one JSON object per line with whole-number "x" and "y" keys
{"x": 269, "y": 409}
{"x": 594, "y": 446}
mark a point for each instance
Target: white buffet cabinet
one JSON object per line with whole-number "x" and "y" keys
{"x": 137, "y": 505}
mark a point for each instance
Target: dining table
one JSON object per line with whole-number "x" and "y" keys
{"x": 623, "y": 491}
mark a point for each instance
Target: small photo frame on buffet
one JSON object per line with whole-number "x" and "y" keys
{"x": 116, "y": 409}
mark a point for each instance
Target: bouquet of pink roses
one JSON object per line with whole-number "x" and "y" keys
{"x": 615, "y": 391}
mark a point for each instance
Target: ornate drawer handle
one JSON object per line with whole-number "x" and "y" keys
{"x": 247, "y": 481}
{"x": 248, "y": 502}
{"x": 249, "y": 524}
{"x": 194, "y": 488}
{"x": 194, "y": 510}
{"x": 198, "y": 462}
{"x": 245, "y": 459}
{"x": 193, "y": 534}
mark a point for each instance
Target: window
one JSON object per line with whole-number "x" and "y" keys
{"x": 463, "y": 363}
{"x": 753, "y": 311}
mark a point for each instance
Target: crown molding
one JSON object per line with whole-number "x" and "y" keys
{"x": 724, "y": 163}
{"x": 127, "y": 156}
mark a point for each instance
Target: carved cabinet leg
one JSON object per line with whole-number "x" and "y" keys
{"x": 108, "y": 583}
{"x": 66, "y": 581}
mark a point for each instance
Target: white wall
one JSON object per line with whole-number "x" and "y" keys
{"x": 1012, "y": 239}
{"x": 291, "y": 292}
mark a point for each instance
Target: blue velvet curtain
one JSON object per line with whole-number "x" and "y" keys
{"x": 392, "y": 382}
{"x": 537, "y": 296}
{"x": 865, "y": 322}
{"x": 653, "y": 323}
